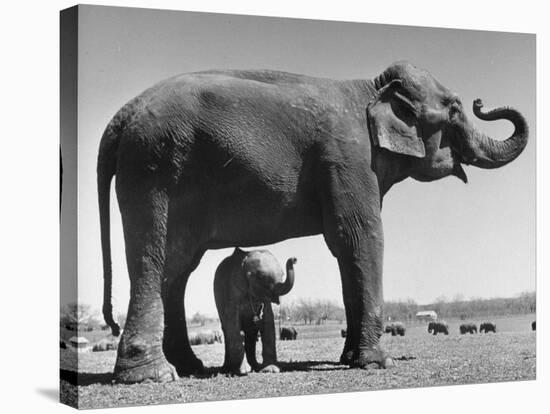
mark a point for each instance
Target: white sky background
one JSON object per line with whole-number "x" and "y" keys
{"x": 441, "y": 238}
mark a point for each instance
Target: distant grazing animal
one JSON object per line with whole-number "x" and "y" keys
{"x": 438, "y": 327}
{"x": 468, "y": 328}
{"x": 288, "y": 334}
{"x": 534, "y": 325}
{"x": 487, "y": 327}
{"x": 105, "y": 345}
{"x": 395, "y": 328}
{"x": 343, "y": 332}
{"x": 206, "y": 337}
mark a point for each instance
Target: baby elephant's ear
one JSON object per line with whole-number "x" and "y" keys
{"x": 393, "y": 121}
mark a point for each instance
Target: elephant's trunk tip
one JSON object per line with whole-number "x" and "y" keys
{"x": 286, "y": 286}
{"x": 489, "y": 153}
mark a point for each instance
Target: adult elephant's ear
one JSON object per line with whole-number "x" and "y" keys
{"x": 393, "y": 121}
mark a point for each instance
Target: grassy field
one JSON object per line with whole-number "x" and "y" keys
{"x": 309, "y": 366}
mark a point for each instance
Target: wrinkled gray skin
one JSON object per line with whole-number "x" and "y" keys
{"x": 245, "y": 284}
{"x": 220, "y": 159}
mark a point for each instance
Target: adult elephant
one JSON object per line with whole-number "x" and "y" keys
{"x": 438, "y": 327}
{"x": 395, "y": 328}
{"x": 245, "y": 284}
{"x": 288, "y": 333}
{"x": 205, "y": 337}
{"x": 227, "y": 158}
{"x": 487, "y": 327}
{"x": 468, "y": 328}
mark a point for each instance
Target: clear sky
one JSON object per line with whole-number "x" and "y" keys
{"x": 441, "y": 238}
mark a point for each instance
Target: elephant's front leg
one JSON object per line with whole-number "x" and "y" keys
{"x": 351, "y": 340}
{"x": 234, "y": 361}
{"x": 354, "y": 234}
{"x": 140, "y": 355}
{"x": 363, "y": 270}
{"x": 269, "y": 350}
{"x": 250, "y": 338}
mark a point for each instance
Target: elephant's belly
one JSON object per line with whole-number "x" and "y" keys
{"x": 233, "y": 215}
{"x": 259, "y": 224}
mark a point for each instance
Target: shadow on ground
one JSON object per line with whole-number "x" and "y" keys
{"x": 311, "y": 366}
{"x": 84, "y": 378}
{"x": 106, "y": 378}
{"x": 51, "y": 394}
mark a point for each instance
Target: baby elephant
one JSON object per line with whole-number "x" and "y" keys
{"x": 245, "y": 284}
{"x": 468, "y": 328}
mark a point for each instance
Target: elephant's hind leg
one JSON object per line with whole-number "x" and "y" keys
{"x": 176, "y": 342}
{"x": 140, "y": 355}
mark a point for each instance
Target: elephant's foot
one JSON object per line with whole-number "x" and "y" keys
{"x": 347, "y": 357}
{"x": 138, "y": 364}
{"x": 179, "y": 354}
{"x": 372, "y": 358}
{"x": 243, "y": 369}
{"x": 270, "y": 369}
{"x": 191, "y": 365}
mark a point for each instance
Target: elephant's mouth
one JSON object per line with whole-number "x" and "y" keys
{"x": 458, "y": 171}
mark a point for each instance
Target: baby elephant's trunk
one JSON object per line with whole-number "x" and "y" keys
{"x": 285, "y": 287}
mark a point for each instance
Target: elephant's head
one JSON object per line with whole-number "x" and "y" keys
{"x": 265, "y": 276}
{"x": 414, "y": 115}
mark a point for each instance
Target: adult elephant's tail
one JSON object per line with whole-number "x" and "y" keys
{"x": 106, "y": 168}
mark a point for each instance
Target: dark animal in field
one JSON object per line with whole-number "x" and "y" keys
{"x": 395, "y": 328}
{"x": 206, "y": 337}
{"x": 438, "y": 327}
{"x": 288, "y": 334}
{"x": 105, "y": 345}
{"x": 534, "y": 325}
{"x": 62, "y": 345}
{"x": 487, "y": 327}
{"x": 227, "y": 158}
{"x": 343, "y": 332}
{"x": 468, "y": 328}
{"x": 245, "y": 285}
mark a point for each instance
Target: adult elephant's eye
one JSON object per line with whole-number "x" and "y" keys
{"x": 454, "y": 111}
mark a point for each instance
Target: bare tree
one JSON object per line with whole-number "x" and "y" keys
{"x": 79, "y": 316}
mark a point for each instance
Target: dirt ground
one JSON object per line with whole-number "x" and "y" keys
{"x": 309, "y": 366}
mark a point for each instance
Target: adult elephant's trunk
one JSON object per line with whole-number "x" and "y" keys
{"x": 285, "y": 287}
{"x": 489, "y": 153}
